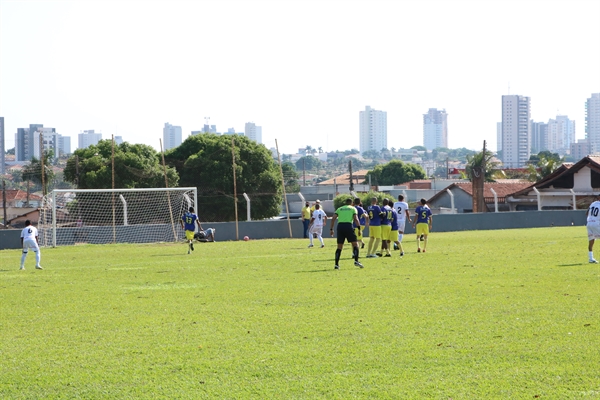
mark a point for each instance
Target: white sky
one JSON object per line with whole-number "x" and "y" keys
{"x": 300, "y": 69}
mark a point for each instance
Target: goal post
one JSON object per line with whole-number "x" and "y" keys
{"x": 102, "y": 216}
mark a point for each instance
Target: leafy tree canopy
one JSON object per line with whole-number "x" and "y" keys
{"x": 136, "y": 166}
{"x": 309, "y": 163}
{"x": 205, "y": 161}
{"x": 33, "y": 171}
{"x": 395, "y": 172}
{"x": 542, "y": 165}
{"x": 419, "y": 148}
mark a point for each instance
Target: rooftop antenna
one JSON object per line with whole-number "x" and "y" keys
{"x": 207, "y": 127}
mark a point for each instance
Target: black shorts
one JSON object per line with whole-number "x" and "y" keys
{"x": 345, "y": 231}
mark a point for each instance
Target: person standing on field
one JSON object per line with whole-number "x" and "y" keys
{"x": 401, "y": 208}
{"x": 29, "y": 240}
{"x": 346, "y": 216}
{"x": 423, "y": 221}
{"x": 316, "y": 225}
{"x": 187, "y": 222}
{"x": 363, "y": 218}
{"x": 306, "y": 214}
{"x": 374, "y": 212}
{"x": 593, "y": 227}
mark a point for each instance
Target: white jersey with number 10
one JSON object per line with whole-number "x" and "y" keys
{"x": 593, "y": 215}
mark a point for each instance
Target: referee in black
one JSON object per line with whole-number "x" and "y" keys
{"x": 346, "y": 215}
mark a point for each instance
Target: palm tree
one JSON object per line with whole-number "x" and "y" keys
{"x": 478, "y": 160}
{"x": 543, "y": 167}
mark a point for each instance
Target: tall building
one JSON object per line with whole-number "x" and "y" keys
{"x": 2, "y": 149}
{"x": 592, "y": 122}
{"x": 372, "y": 130}
{"x": 498, "y": 136}
{"x": 118, "y": 140}
{"x": 516, "y": 137}
{"x": 539, "y": 137}
{"x": 64, "y": 145}
{"x": 88, "y": 138}
{"x": 580, "y": 149}
{"x": 560, "y": 134}
{"x": 435, "y": 129}
{"x": 27, "y": 142}
{"x": 171, "y": 136}
{"x": 253, "y": 132}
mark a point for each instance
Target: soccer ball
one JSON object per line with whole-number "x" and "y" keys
{"x": 246, "y": 238}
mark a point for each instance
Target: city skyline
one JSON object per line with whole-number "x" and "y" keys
{"x": 304, "y": 86}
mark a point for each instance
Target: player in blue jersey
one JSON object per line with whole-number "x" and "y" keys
{"x": 362, "y": 218}
{"x": 394, "y": 232}
{"x": 423, "y": 220}
{"x": 386, "y": 227}
{"x": 374, "y": 212}
{"x": 187, "y": 223}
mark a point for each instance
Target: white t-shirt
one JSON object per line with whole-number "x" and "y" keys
{"x": 29, "y": 232}
{"x": 401, "y": 207}
{"x": 593, "y": 215}
{"x": 319, "y": 216}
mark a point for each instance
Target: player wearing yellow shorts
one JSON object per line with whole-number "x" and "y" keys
{"x": 423, "y": 221}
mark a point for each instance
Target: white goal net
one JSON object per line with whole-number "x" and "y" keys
{"x": 103, "y": 216}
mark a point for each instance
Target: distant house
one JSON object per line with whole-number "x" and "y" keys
{"x": 18, "y": 202}
{"x": 569, "y": 186}
{"x": 462, "y": 192}
{"x": 358, "y": 177}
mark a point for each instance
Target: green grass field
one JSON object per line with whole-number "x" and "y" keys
{"x": 510, "y": 314}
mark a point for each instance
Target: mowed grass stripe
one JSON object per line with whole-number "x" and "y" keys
{"x": 492, "y": 314}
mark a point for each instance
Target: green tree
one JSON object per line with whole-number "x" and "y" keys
{"x": 478, "y": 161}
{"x": 395, "y": 172}
{"x": 205, "y": 161}
{"x": 136, "y": 166}
{"x": 545, "y": 164}
{"x": 33, "y": 171}
{"x": 371, "y": 154}
{"x": 309, "y": 163}
{"x": 290, "y": 177}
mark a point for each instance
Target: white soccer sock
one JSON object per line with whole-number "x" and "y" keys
{"x": 38, "y": 257}
{"x": 400, "y": 235}
{"x": 23, "y": 257}
{"x": 321, "y": 240}
{"x": 310, "y": 236}
{"x": 591, "y": 255}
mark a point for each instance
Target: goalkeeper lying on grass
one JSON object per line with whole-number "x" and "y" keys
{"x": 205, "y": 236}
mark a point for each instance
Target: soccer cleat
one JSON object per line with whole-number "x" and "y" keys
{"x": 419, "y": 250}
{"x": 37, "y": 267}
{"x": 189, "y": 252}
{"x": 336, "y": 267}
{"x": 395, "y": 246}
{"x": 401, "y": 254}
{"x": 592, "y": 261}
{"x": 310, "y": 245}
{"x": 378, "y": 254}
{"x": 362, "y": 246}
{"x": 358, "y": 264}
{"x": 322, "y": 245}
{"x": 388, "y": 255}
{"x": 423, "y": 250}
{"x": 371, "y": 256}
{"x": 22, "y": 268}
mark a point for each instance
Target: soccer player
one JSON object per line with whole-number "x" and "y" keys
{"x": 374, "y": 212}
{"x": 306, "y": 213}
{"x": 187, "y": 223}
{"x": 401, "y": 208}
{"x": 206, "y": 236}
{"x": 316, "y": 225}
{"x": 393, "y": 238}
{"x": 386, "y": 227}
{"x": 363, "y": 218}
{"x": 423, "y": 220}
{"x": 593, "y": 227}
{"x": 29, "y": 240}
{"x": 346, "y": 216}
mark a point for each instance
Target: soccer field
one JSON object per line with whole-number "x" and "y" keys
{"x": 508, "y": 314}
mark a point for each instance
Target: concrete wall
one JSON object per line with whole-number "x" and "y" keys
{"x": 274, "y": 229}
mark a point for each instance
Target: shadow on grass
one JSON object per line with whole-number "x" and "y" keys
{"x": 573, "y": 265}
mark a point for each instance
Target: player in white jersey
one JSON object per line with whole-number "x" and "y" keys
{"x": 29, "y": 240}
{"x": 401, "y": 208}
{"x": 593, "y": 226}
{"x": 316, "y": 225}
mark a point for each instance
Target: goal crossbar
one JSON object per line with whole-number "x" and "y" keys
{"x": 99, "y": 216}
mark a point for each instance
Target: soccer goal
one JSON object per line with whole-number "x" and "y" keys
{"x": 102, "y": 216}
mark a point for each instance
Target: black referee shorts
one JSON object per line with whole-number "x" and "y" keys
{"x": 345, "y": 231}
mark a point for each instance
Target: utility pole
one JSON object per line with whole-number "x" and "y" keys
{"x": 351, "y": 179}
